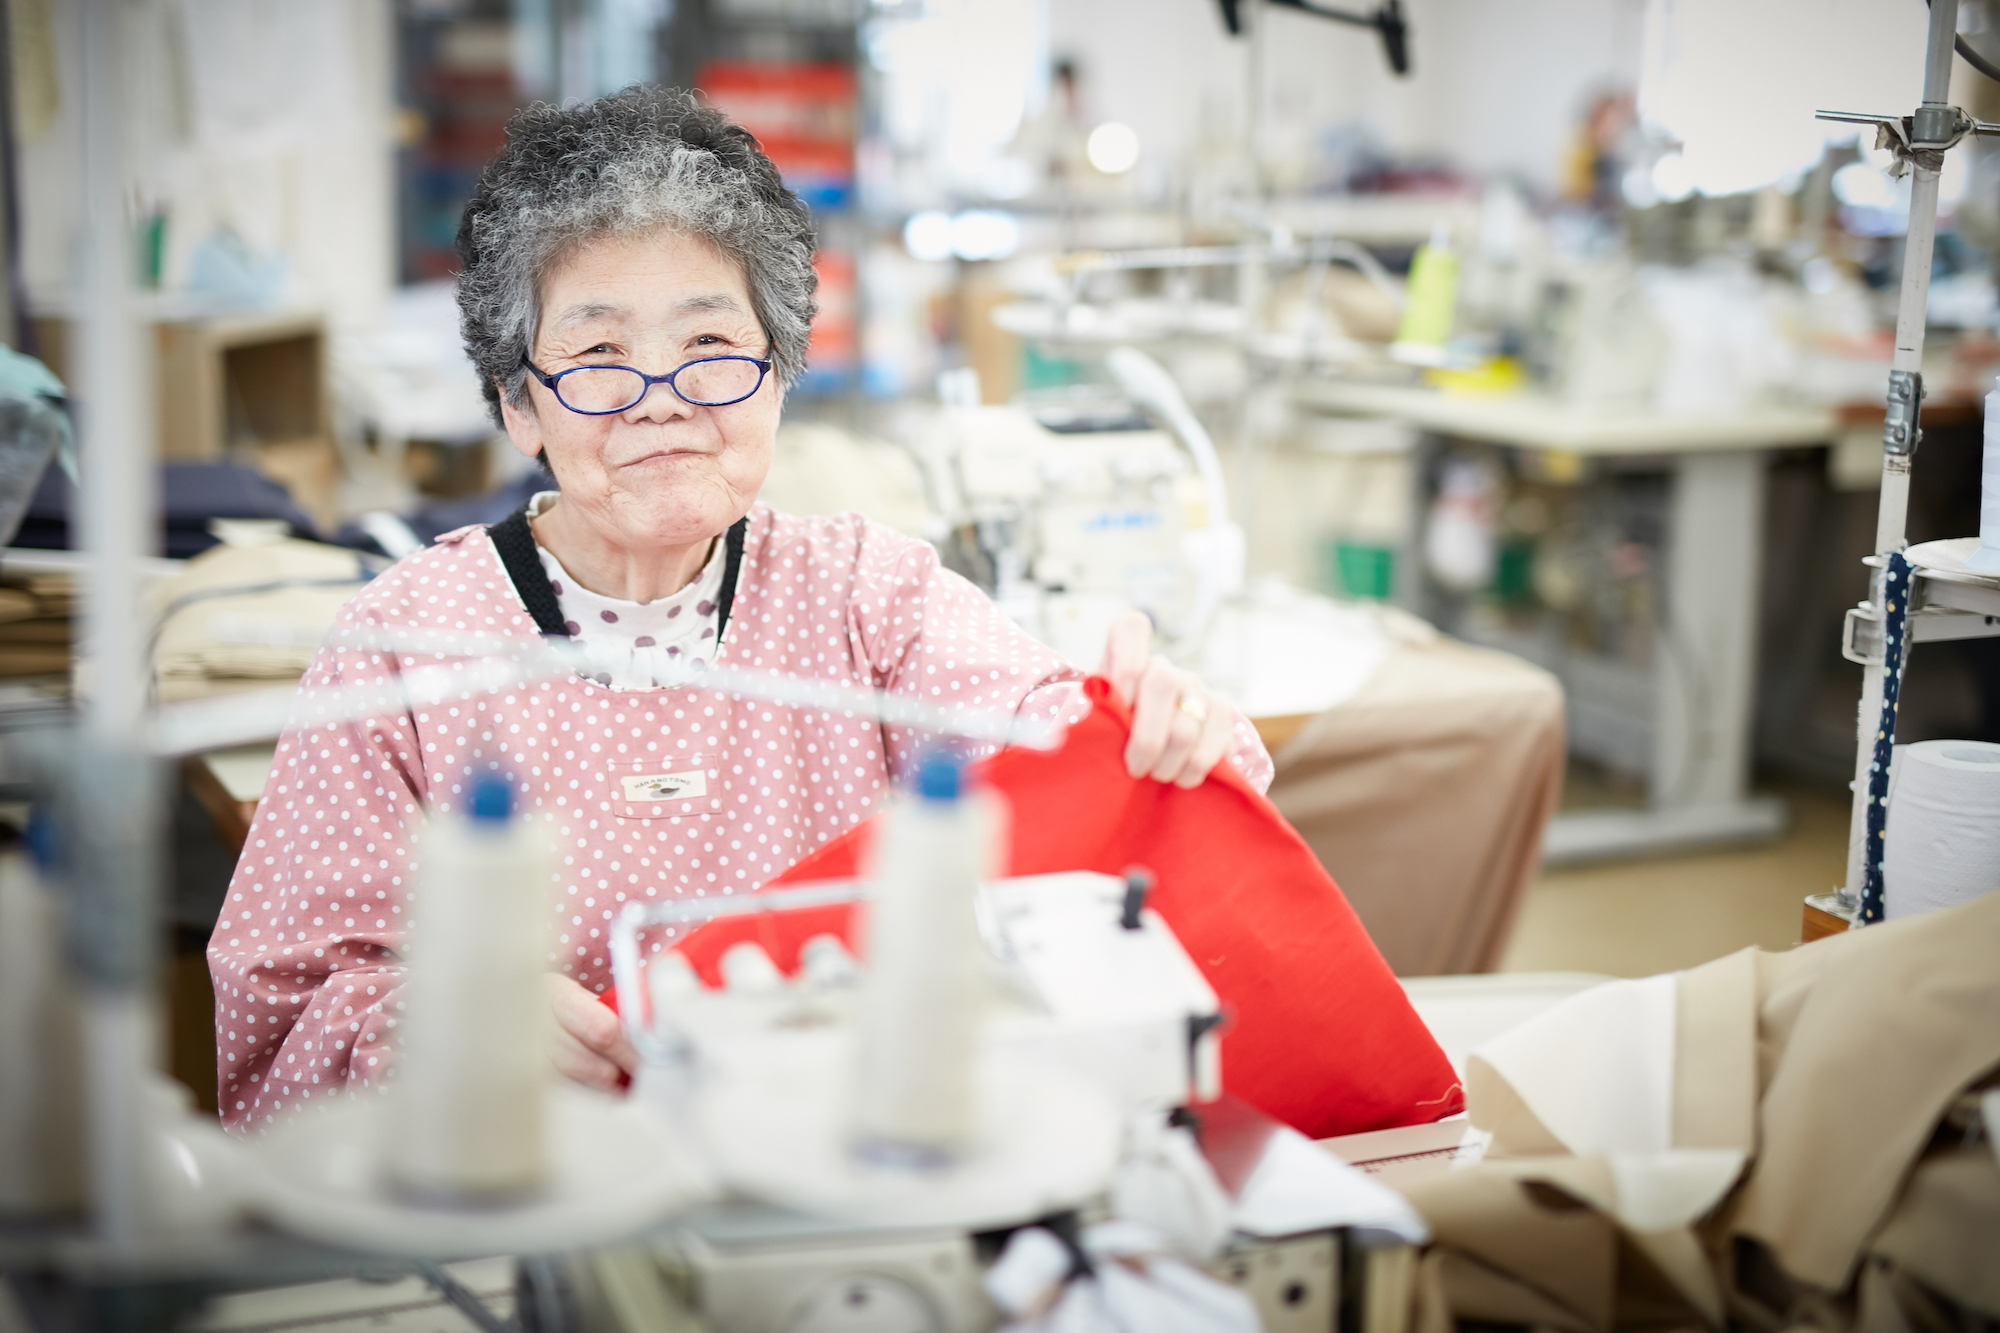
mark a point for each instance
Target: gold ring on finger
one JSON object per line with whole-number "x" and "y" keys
{"x": 1194, "y": 707}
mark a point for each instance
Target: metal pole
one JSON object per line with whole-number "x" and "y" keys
{"x": 1910, "y": 313}
{"x": 1258, "y": 68}
{"x": 1904, "y": 403}
{"x": 111, "y": 801}
{"x": 1937, "y": 53}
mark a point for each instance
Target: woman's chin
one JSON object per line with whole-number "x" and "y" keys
{"x": 656, "y": 522}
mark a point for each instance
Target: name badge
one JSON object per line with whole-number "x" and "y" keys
{"x": 665, "y": 786}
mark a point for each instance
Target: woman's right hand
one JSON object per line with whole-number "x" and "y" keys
{"x": 590, "y": 1046}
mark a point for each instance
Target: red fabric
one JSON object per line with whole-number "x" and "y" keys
{"x": 1321, "y": 1035}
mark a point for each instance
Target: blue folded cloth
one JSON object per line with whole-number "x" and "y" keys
{"x": 190, "y": 495}
{"x": 428, "y": 520}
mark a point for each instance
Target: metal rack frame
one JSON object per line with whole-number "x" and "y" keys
{"x": 1878, "y": 634}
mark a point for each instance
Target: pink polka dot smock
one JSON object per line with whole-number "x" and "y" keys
{"x": 304, "y": 955}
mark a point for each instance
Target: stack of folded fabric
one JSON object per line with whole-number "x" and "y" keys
{"x": 35, "y": 613}
{"x": 254, "y": 612}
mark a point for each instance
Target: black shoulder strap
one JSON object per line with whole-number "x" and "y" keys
{"x": 516, "y": 545}
{"x": 732, "y": 565}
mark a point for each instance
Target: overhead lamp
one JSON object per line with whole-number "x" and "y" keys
{"x": 983, "y": 233}
{"x": 1672, "y": 180}
{"x": 927, "y": 236}
{"x": 1112, "y": 148}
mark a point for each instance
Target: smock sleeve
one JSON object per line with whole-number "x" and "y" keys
{"x": 930, "y": 636}
{"x": 304, "y": 956}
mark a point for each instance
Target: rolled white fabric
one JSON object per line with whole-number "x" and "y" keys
{"x": 919, "y": 1011}
{"x": 1941, "y": 843}
{"x": 468, "y": 1114}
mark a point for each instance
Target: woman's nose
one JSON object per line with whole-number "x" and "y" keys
{"x": 660, "y": 404}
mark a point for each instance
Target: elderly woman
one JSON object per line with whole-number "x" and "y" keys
{"x": 637, "y": 293}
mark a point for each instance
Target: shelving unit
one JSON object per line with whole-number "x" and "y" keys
{"x": 234, "y": 381}
{"x": 225, "y": 381}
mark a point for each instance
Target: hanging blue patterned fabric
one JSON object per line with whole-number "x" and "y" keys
{"x": 1895, "y": 651}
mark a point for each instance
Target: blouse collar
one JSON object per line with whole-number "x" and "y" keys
{"x": 635, "y": 645}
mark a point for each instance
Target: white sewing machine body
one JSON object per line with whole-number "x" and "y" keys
{"x": 1092, "y": 1011}
{"x": 1119, "y": 1007}
{"x": 1079, "y": 524}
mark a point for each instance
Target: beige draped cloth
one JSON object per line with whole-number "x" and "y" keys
{"x": 1828, "y": 1164}
{"x": 1425, "y": 796}
{"x": 253, "y": 612}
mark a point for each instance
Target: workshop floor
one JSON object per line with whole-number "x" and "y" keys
{"x": 1636, "y": 918}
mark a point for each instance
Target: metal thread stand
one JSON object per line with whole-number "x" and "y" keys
{"x": 1934, "y": 611}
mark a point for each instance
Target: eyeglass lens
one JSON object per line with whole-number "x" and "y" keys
{"x": 613, "y": 388}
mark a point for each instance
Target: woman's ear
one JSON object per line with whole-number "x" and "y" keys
{"x": 522, "y": 425}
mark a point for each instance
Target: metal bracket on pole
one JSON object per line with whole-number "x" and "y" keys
{"x": 1900, "y": 432}
{"x": 1920, "y": 139}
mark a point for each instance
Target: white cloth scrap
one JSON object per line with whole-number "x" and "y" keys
{"x": 1136, "y": 1285}
{"x": 1165, "y": 1183}
{"x": 1598, "y": 1071}
{"x": 1598, "y": 1068}
{"x": 1298, "y": 1186}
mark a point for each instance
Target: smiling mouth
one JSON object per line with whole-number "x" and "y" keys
{"x": 660, "y": 455}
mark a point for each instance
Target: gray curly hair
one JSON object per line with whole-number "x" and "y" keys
{"x": 634, "y": 162}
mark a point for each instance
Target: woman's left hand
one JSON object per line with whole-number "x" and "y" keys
{"x": 1179, "y": 730}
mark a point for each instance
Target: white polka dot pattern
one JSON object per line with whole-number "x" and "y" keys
{"x": 304, "y": 955}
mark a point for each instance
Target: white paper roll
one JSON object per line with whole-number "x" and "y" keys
{"x": 1941, "y": 843}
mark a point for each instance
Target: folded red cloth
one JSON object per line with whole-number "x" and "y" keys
{"x": 1321, "y": 1035}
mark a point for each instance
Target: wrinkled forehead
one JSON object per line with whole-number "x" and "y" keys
{"x": 620, "y": 279}
{"x": 589, "y": 312}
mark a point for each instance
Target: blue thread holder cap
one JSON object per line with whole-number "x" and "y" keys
{"x": 492, "y": 800}
{"x": 940, "y": 777}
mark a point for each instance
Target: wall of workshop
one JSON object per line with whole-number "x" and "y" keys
{"x": 1737, "y": 83}
{"x": 1499, "y": 87}
{"x": 272, "y": 118}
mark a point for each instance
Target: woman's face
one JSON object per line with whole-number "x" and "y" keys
{"x": 662, "y": 473}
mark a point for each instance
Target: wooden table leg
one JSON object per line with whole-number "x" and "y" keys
{"x": 231, "y": 816}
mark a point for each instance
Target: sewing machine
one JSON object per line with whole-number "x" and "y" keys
{"x": 1080, "y": 509}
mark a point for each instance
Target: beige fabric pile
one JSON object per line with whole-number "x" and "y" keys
{"x": 1771, "y": 1141}
{"x": 253, "y": 612}
{"x": 1425, "y": 796}
{"x": 823, "y": 469}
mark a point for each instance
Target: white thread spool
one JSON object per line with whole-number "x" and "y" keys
{"x": 468, "y": 1124}
{"x": 1941, "y": 840}
{"x": 919, "y": 1010}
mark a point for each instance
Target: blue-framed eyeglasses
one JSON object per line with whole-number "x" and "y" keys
{"x": 599, "y": 391}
